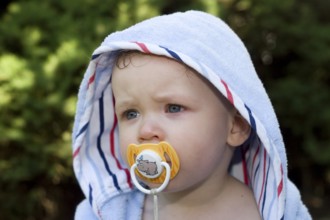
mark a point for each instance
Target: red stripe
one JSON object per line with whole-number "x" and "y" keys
{"x": 245, "y": 172}
{"x": 280, "y": 186}
{"x": 143, "y": 47}
{"x": 229, "y": 95}
{"x": 91, "y": 80}
{"x": 76, "y": 152}
{"x": 264, "y": 178}
{"x": 112, "y": 149}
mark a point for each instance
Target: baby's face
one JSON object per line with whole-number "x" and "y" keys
{"x": 158, "y": 99}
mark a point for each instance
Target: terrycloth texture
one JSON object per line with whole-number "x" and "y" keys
{"x": 209, "y": 46}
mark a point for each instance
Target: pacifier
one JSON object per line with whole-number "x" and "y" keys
{"x": 148, "y": 162}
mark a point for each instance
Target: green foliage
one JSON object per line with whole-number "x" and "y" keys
{"x": 291, "y": 49}
{"x": 289, "y": 43}
{"x": 45, "y": 47}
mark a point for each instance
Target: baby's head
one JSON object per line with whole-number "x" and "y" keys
{"x": 178, "y": 96}
{"x": 159, "y": 99}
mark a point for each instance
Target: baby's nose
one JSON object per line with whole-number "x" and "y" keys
{"x": 151, "y": 131}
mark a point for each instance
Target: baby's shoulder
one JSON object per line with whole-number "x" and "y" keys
{"x": 241, "y": 201}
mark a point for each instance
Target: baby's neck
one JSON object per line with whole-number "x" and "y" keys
{"x": 222, "y": 201}
{"x": 195, "y": 197}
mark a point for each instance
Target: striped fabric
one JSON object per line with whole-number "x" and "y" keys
{"x": 97, "y": 162}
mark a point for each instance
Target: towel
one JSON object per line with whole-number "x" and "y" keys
{"x": 208, "y": 45}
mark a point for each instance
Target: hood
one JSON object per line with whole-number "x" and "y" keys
{"x": 208, "y": 45}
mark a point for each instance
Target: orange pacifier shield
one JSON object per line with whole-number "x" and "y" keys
{"x": 149, "y": 160}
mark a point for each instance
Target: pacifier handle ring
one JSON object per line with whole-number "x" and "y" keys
{"x": 155, "y": 190}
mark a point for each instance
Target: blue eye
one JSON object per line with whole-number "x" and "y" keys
{"x": 173, "y": 108}
{"x": 130, "y": 114}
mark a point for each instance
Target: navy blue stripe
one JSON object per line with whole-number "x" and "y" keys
{"x": 263, "y": 202}
{"x": 101, "y": 113}
{"x": 82, "y": 129}
{"x": 256, "y": 171}
{"x": 94, "y": 56}
{"x": 173, "y": 54}
{"x": 90, "y": 194}
{"x": 252, "y": 121}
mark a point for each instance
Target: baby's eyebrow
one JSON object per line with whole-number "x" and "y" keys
{"x": 171, "y": 96}
{"x": 123, "y": 104}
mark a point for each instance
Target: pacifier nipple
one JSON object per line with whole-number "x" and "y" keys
{"x": 148, "y": 162}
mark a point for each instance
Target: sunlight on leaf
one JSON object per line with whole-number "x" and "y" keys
{"x": 14, "y": 76}
{"x": 68, "y": 50}
{"x": 211, "y": 6}
{"x": 70, "y": 105}
{"x": 145, "y": 10}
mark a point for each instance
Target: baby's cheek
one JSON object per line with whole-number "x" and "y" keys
{"x": 123, "y": 153}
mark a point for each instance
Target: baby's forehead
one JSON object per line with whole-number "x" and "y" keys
{"x": 135, "y": 58}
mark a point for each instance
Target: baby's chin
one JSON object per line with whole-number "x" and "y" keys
{"x": 172, "y": 187}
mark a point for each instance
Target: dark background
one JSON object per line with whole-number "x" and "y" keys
{"x": 45, "y": 48}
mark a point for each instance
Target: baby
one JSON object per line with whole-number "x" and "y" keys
{"x": 187, "y": 80}
{"x": 159, "y": 99}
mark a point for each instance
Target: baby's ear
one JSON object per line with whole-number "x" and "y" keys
{"x": 239, "y": 132}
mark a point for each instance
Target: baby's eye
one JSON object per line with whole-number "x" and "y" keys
{"x": 130, "y": 114}
{"x": 173, "y": 108}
